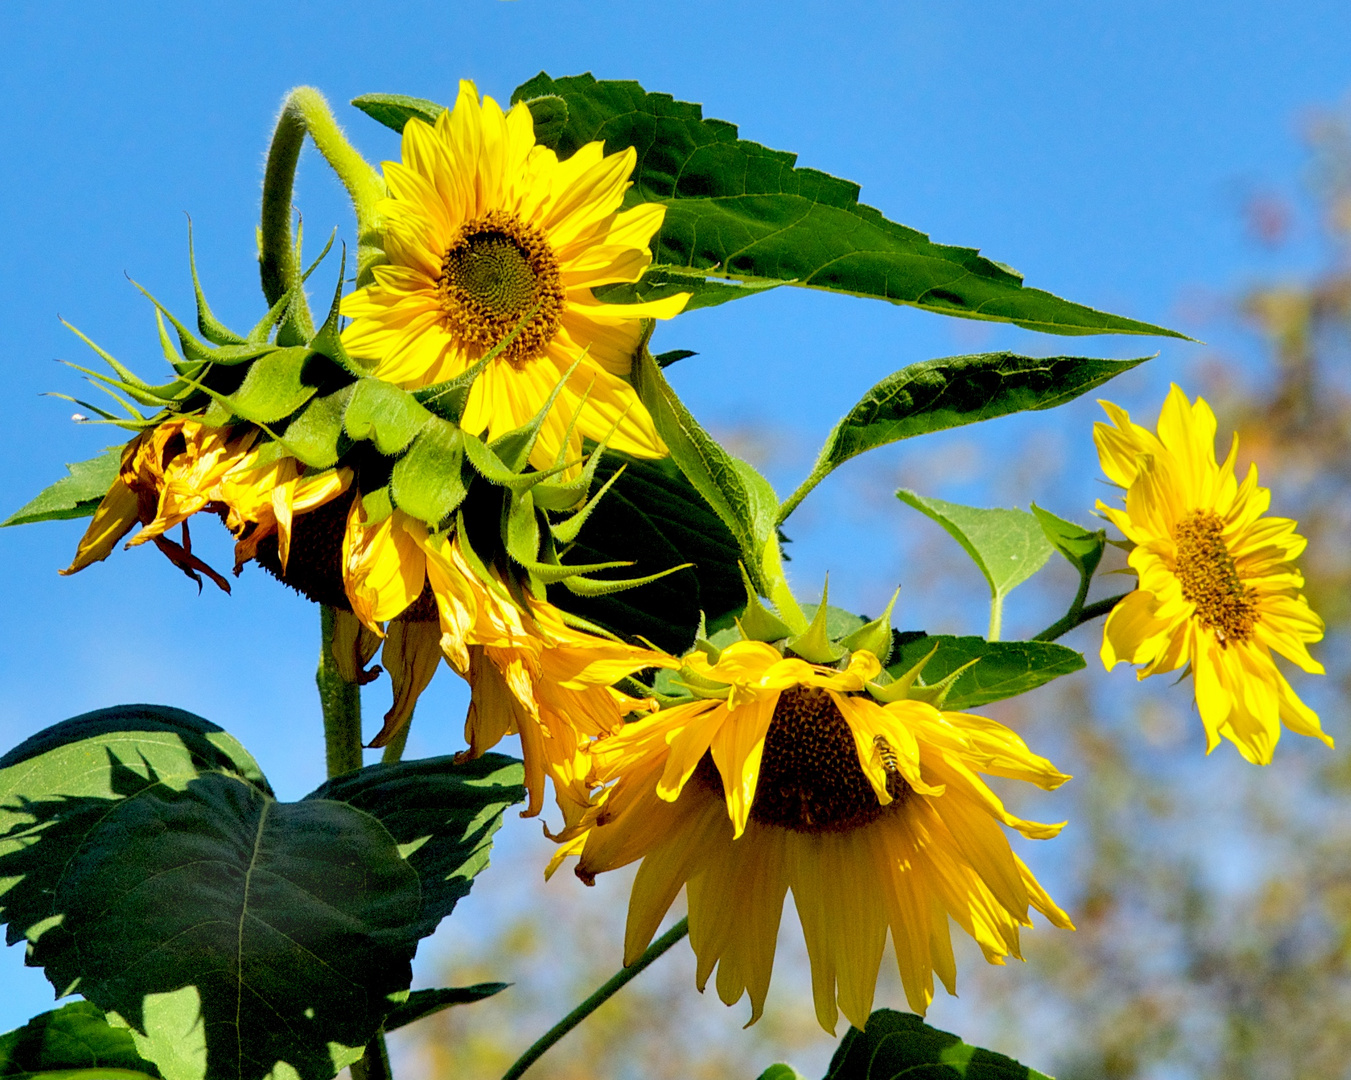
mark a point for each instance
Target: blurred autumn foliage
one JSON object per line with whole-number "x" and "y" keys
{"x": 1213, "y": 899}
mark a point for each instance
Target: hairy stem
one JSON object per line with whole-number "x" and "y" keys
{"x": 591, "y": 1004}
{"x": 996, "y": 617}
{"x": 305, "y": 112}
{"x": 1085, "y": 613}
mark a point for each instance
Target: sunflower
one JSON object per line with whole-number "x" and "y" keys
{"x": 788, "y": 775}
{"x": 531, "y": 674}
{"x": 180, "y": 467}
{"x": 1218, "y": 591}
{"x": 487, "y": 233}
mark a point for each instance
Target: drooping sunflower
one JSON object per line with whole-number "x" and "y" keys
{"x": 1218, "y": 590}
{"x": 791, "y": 776}
{"x": 485, "y": 230}
{"x": 181, "y": 466}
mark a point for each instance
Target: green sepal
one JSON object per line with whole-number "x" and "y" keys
{"x": 757, "y": 622}
{"x": 275, "y": 386}
{"x": 514, "y": 447}
{"x": 584, "y": 586}
{"x": 192, "y": 349}
{"x": 888, "y": 687}
{"x": 521, "y": 528}
{"x": 379, "y": 411}
{"x": 448, "y": 399}
{"x": 493, "y": 469}
{"x": 1006, "y": 668}
{"x": 551, "y": 573}
{"x": 317, "y": 435}
{"x": 814, "y": 644}
{"x": 428, "y": 481}
{"x": 565, "y": 532}
{"x": 328, "y": 339}
{"x": 211, "y": 327}
{"x": 376, "y": 505}
{"x": 74, "y": 496}
{"x": 875, "y": 636}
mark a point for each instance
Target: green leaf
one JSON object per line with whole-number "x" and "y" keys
{"x": 442, "y": 815}
{"x": 781, "y": 1072}
{"x": 737, "y": 493}
{"x": 422, "y": 1003}
{"x": 653, "y": 517}
{"x": 69, "y": 1041}
{"x": 1081, "y": 547}
{"x": 1008, "y": 545}
{"x": 741, "y": 212}
{"x": 386, "y": 415}
{"x": 74, "y": 496}
{"x": 1004, "y": 668}
{"x": 896, "y": 1044}
{"x": 427, "y": 481}
{"x": 395, "y": 110}
{"x": 934, "y": 395}
{"x": 149, "y": 864}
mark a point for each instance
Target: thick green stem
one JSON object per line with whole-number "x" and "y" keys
{"x": 305, "y": 112}
{"x": 374, "y": 1063}
{"x": 596, "y": 1000}
{"x": 341, "y": 704}
{"x": 1086, "y": 613}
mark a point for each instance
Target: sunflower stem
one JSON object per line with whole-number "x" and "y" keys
{"x": 1086, "y": 613}
{"x": 305, "y": 112}
{"x": 340, "y": 702}
{"x": 996, "y": 617}
{"x": 599, "y": 998}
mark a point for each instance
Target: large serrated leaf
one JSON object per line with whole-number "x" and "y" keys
{"x": 74, "y": 496}
{"x": 1003, "y": 669}
{"x": 68, "y": 1041}
{"x": 443, "y": 816}
{"x": 149, "y": 864}
{"x": 896, "y": 1044}
{"x": 740, "y": 211}
{"x": 935, "y": 395}
{"x": 738, "y": 494}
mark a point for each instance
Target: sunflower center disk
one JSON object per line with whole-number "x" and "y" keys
{"x": 497, "y": 274}
{"x": 810, "y": 778}
{"x": 1210, "y": 579}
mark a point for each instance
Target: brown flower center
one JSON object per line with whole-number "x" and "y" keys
{"x": 496, "y": 272}
{"x": 1210, "y": 579}
{"x": 810, "y": 777}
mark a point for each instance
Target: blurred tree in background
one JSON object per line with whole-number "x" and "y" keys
{"x": 1213, "y": 899}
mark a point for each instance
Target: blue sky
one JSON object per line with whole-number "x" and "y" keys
{"x": 1104, "y": 150}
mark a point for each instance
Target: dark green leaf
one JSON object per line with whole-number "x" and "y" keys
{"x": 737, "y": 493}
{"x": 69, "y": 1040}
{"x": 550, "y": 114}
{"x": 153, "y": 872}
{"x": 1004, "y": 668}
{"x": 896, "y": 1045}
{"x": 423, "y": 1003}
{"x": 386, "y": 415}
{"x": 443, "y": 816}
{"x": 73, "y": 496}
{"x": 654, "y": 517}
{"x": 934, "y": 395}
{"x": 395, "y": 110}
{"x": 666, "y": 359}
{"x": 1008, "y": 545}
{"x": 427, "y": 481}
{"x": 737, "y": 210}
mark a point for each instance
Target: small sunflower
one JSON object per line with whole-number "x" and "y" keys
{"x": 790, "y": 776}
{"x": 485, "y": 232}
{"x": 1218, "y": 591}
